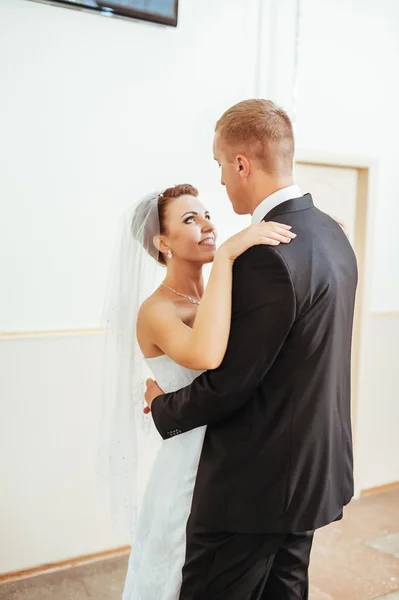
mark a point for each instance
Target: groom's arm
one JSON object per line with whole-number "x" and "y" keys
{"x": 263, "y": 313}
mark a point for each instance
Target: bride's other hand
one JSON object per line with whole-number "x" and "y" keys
{"x": 341, "y": 223}
{"x": 152, "y": 391}
{"x": 267, "y": 234}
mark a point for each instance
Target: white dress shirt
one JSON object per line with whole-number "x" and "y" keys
{"x": 274, "y": 200}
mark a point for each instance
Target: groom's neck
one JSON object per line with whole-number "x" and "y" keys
{"x": 266, "y": 186}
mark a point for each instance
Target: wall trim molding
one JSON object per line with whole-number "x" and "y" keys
{"x": 380, "y": 489}
{"x": 335, "y": 159}
{"x": 63, "y": 564}
{"x": 15, "y": 335}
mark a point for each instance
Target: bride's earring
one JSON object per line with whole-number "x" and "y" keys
{"x": 170, "y": 254}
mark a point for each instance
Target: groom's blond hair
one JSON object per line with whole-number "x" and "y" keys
{"x": 261, "y": 129}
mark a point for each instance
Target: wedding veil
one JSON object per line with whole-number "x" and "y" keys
{"x": 129, "y": 440}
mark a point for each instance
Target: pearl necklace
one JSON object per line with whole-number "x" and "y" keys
{"x": 192, "y": 300}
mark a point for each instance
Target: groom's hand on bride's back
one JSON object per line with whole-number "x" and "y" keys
{"x": 152, "y": 391}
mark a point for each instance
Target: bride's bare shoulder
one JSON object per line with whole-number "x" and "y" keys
{"x": 154, "y": 305}
{"x": 153, "y": 308}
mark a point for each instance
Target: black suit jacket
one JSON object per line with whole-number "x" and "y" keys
{"x": 277, "y": 455}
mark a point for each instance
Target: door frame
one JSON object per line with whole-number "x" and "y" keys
{"x": 367, "y": 191}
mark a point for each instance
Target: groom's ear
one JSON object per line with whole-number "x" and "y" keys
{"x": 243, "y": 165}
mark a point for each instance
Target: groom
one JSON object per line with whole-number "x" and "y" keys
{"x": 277, "y": 457}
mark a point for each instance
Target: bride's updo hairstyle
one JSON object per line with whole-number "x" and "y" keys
{"x": 150, "y": 217}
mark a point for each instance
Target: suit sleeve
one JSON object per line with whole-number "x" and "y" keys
{"x": 263, "y": 313}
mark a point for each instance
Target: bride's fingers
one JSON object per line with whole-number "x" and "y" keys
{"x": 267, "y": 228}
{"x": 281, "y": 229}
{"x": 284, "y": 237}
{"x": 263, "y": 239}
{"x": 285, "y": 233}
{"x": 275, "y": 224}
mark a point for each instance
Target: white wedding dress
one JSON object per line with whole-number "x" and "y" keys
{"x": 158, "y": 550}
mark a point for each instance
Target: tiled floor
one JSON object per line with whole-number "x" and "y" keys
{"x": 354, "y": 559}
{"x": 386, "y": 543}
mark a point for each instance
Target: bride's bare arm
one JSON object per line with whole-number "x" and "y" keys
{"x": 204, "y": 346}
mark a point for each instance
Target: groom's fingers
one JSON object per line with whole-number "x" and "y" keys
{"x": 152, "y": 391}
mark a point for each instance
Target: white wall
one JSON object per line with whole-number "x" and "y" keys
{"x": 94, "y": 112}
{"x": 348, "y": 99}
{"x": 52, "y": 505}
{"x": 378, "y": 412}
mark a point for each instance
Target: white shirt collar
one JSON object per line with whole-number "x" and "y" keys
{"x": 292, "y": 191}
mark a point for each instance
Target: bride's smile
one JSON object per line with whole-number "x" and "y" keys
{"x": 187, "y": 231}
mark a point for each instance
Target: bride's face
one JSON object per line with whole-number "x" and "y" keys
{"x": 190, "y": 233}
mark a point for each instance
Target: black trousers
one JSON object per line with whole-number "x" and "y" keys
{"x": 229, "y": 566}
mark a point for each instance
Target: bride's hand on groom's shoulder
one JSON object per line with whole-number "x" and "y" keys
{"x": 152, "y": 391}
{"x": 341, "y": 223}
{"x": 267, "y": 234}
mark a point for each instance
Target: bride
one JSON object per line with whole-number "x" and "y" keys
{"x": 181, "y": 329}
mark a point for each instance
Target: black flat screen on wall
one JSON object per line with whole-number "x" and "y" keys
{"x": 158, "y": 11}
